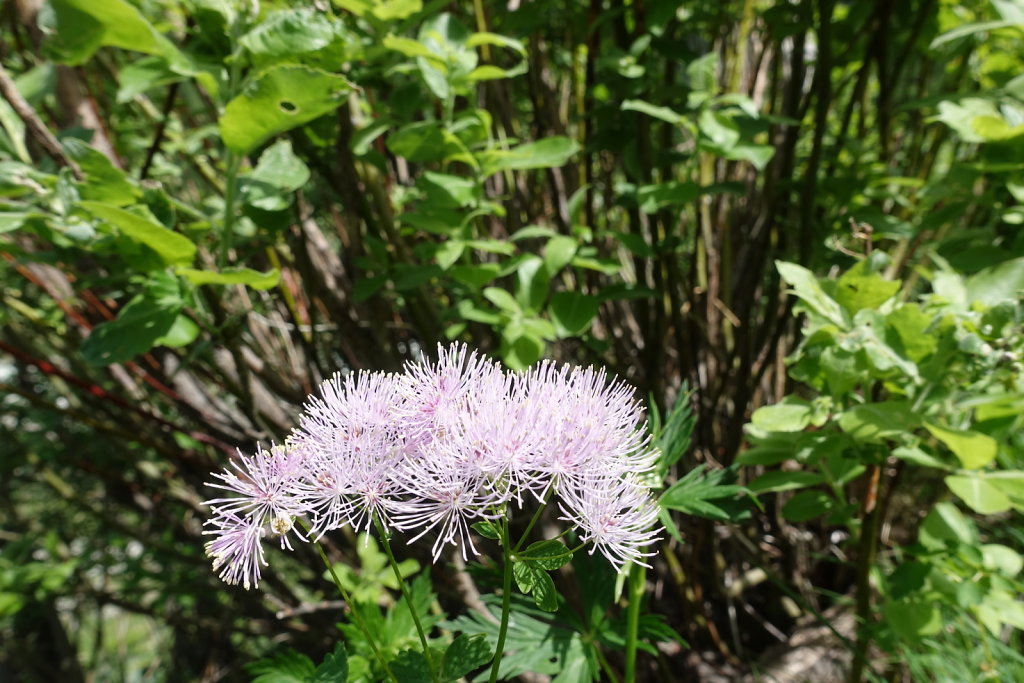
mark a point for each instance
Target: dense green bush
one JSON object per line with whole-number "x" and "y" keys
{"x": 207, "y": 207}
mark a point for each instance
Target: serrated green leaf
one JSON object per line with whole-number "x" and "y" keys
{"x": 334, "y": 668}
{"x": 465, "y": 654}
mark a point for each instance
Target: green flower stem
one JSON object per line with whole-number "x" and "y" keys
{"x": 354, "y": 611}
{"x": 407, "y": 597}
{"x": 230, "y": 196}
{"x": 635, "y": 593}
{"x": 506, "y": 600}
{"x": 533, "y": 521}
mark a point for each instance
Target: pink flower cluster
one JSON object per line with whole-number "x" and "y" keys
{"x": 440, "y": 447}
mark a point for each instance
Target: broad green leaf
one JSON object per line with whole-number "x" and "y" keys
{"x": 103, "y": 181}
{"x": 526, "y": 575}
{"x": 572, "y": 312}
{"x": 278, "y": 173}
{"x": 83, "y": 26}
{"x": 422, "y": 141}
{"x": 854, "y": 292}
{"x": 475, "y": 276}
{"x": 334, "y": 668}
{"x": 288, "y": 33}
{"x": 979, "y": 494}
{"x": 973, "y": 449}
{"x": 465, "y": 654}
{"x": 546, "y": 153}
{"x": 719, "y": 128}
{"x": 10, "y": 220}
{"x": 913, "y": 619}
{"x": 136, "y": 329}
{"x": 533, "y": 282}
{"x": 183, "y": 332}
{"x": 502, "y": 299}
{"x": 172, "y": 247}
{"x": 548, "y": 555}
{"x": 234, "y": 276}
{"x": 410, "y": 666}
{"x": 487, "y": 529}
{"x": 279, "y": 99}
{"x": 774, "y": 482}
{"x": 946, "y": 523}
{"x": 791, "y": 415}
{"x": 964, "y": 30}
{"x": 1003, "y": 282}
{"x": 806, "y": 287}
{"x": 1002, "y": 559}
{"x": 559, "y": 252}
{"x": 910, "y": 324}
{"x": 382, "y": 10}
{"x": 485, "y": 38}
{"x": 807, "y": 505}
{"x": 757, "y": 155}
{"x": 878, "y": 422}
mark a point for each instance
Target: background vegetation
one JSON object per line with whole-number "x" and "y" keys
{"x": 207, "y": 207}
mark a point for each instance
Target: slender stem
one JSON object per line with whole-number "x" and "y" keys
{"x": 354, "y": 611}
{"x": 637, "y": 583}
{"x": 382, "y": 532}
{"x": 865, "y": 562}
{"x": 506, "y": 600}
{"x": 533, "y": 521}
{"x": 230, "y": 195}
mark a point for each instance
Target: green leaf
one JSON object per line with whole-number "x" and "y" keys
{"x": 572, "y": 312}
{"x": 285, "y": 667}
{"x": 465, "y": 654}
{"x": 694, "y": 493}
{"x": 559, "y": 252}
{"x": 806, "y": 287}
{"x": 83, "y": 26}
{"x": 544, "y": 594}
{"x": 719, "y": 128}
{"x": 1003, "y": 282}
{"x": 173, "y": 248}
{"x": 232, "y": 276}
{"x": 410, "y": 666}
{"x": 139, "y": 326}
{"x": 877, "y": 422}
{"x": 334, "y": 668}
{"x": 792, "y": 414}
{"x": 662, "y": 113}
{"x": 546, "y": 153}
{"x": 854, "y": 292}
{"x": 475, "y": 276}
{"x": 913, "y": 619}
{"x": 279, "y": 99}
{"x": 487, "y": 529}
{"x": 288, "y": 33}
{"x": 422, "y": 141}
{"x": 774, "y": 482}
{"x": 103, "y": 182}
{"x": 979, "y": 494}
{"x": 807, "y": 505}
{"x": 278, "y": 172}
{"x": 502, "y": 299}
{"x": 653, "y": 197}
{"x": 526, "y": 575}
{"x": 946, "y": 523}
{"x": 973, "y": 449}
{"x": 183, "y": 332}
{"x": 548, "y": 555}
{"x": 999, "y": 558}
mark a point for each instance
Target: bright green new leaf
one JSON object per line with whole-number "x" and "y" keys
{"x": 502, "y": 299}
{"x": 878, "y": 422}
{"x": 662, "y": 113}
{"x": 289, "y": 33}
{"x": 979, "y": 494}
{"x": 946, "y": 523}
{"x": 1003, "y": 282}
{"x": 1002, "y": 559}
{"x": 854, "y": 292}
{"x": 172, "y": 247}
{"x": 792, "y": 414}
{"x": 234, "y": 276}
{"x": 806, "y": 287}
{"x": 279, "y": 99}
{"x": 559, "y": 252}
{"x": 973, "y": 449}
